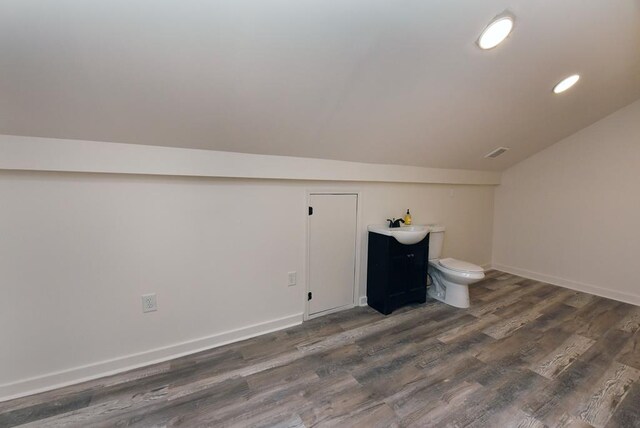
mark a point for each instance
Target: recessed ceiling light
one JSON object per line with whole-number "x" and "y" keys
{"x": 496, "y": 32}
{"x": 566, "y": 83}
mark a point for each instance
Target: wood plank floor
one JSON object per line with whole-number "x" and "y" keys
{"x": 526, "y": 354}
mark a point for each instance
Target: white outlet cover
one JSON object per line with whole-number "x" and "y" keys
{"x": 149, "y": 303}
{"x": 292, "y": 278}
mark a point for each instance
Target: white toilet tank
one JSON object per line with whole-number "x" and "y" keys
{"x": 436, "y": 239}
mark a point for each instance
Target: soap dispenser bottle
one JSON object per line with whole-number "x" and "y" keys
{"x": 407, "y": 218}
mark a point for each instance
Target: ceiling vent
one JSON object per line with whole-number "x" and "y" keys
{"x": 497, "y": 152}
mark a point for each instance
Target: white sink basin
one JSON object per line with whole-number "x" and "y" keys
{"x": 405, "y": 234}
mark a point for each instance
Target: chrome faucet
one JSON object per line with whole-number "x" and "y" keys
{"x": 393, "y": 223}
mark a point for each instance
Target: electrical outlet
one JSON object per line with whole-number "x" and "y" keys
{"x": 149, "y": 303}
{"x": 292, "y": 278}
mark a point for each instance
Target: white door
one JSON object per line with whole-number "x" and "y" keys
{"x": 332, "y": 251}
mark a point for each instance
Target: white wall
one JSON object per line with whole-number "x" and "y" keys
{"x": 77, "y": 250}
{"x": 51, "y": 154}
{"x": 570, "y": 215}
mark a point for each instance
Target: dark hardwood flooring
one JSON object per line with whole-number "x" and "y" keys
{"x": 526, "y": 354}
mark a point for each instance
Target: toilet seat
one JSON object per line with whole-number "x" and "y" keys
{"x": 459, "y": 265}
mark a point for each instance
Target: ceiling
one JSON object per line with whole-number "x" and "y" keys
{"x": 397, "y": 82}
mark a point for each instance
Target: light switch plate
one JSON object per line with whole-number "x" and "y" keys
{"x": 292, "y": 279}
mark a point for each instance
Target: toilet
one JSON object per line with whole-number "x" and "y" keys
{"x": 450, "y": 278}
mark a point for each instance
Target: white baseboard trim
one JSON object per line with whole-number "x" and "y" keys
{"x": 362, "y": 301}
{"x": 620, "y": 296}
{"x": 59, "y": 379}
{"x": 331, "y": 311}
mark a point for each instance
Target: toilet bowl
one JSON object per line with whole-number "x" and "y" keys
{"x": 450, "y": 278}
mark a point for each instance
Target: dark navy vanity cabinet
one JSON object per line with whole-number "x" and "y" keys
{"x": 396, "y": 273}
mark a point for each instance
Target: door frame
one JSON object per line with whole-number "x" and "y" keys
{"x": 357, "y": 255}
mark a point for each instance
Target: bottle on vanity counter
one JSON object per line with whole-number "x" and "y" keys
{"x": 407, "y": 218}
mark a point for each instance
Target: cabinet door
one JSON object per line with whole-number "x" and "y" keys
{"x": 417, "y": 269}
{"x": 398, "y": 275}
{"x": 408, "y": 268}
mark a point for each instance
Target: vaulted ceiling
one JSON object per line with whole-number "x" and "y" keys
{"x": 398, "y": 82}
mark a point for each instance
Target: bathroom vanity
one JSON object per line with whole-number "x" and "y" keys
{"x": 396, "y": 272}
